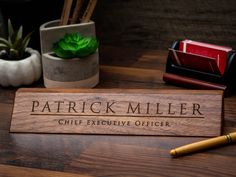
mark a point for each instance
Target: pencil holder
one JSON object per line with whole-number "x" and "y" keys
{"x": 67, "y": 73}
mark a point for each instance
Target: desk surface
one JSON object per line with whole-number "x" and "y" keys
{"x": 106, "y": 155}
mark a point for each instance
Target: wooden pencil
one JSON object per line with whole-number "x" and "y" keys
{"x": 66, "y": 12}
{"x": 76, "y": 11}
{"x": 89, "y": 11}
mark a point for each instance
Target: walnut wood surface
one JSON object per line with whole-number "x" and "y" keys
{"x": 101, "y": 155}
{"x": 14, "y": 171}
{"x": 118, "y": 111}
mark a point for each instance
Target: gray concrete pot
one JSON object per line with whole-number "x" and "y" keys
{"x": 67, "y": 73}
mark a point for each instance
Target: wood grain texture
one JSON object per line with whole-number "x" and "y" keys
{"x": 156, "y": 24}
{"x": 150, "y": 161}
{"x": 76, "y": 12}
{"x": 66, "y": 12}
{"x": 118, "y": 156}
{"x": 118, "y": 111}
{"x": 14, "y": 171}
{"x": 89, "y": 11}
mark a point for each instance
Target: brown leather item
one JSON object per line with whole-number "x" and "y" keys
{"x": 191, "y": 83}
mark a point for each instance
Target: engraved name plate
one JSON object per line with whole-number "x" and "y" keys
{"x": 118, "y": 111}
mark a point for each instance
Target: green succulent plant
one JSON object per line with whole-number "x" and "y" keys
{"x": 74, "y": 45}
{"x": 14, "y": 47}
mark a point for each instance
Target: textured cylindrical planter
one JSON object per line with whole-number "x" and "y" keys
{"x": 70, "y": 73}
{"x": 21, "y": 72}
{"x": 67, "y": 73}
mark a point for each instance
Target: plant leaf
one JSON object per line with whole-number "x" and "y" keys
{"x": 14, "y": 54}
{"x": 17, "y": 35}
{"x": 26, "y": 40}
{"x": 4, "y": 41}
{"x": 10, "y": 31}
{"x": 21, "y": 44}
{"x": 3, "y": 47}
{"x": 74, "y": 45}
{"x": 17, "y": 44}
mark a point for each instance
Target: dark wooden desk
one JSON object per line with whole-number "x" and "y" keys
{"x": 100, "y": 155}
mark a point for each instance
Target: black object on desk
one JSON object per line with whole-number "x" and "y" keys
{"x": 190, "y": 77}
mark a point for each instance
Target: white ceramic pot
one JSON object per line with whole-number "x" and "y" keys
{"x": 21, "y": 72}
{"x": 67, "y": 73}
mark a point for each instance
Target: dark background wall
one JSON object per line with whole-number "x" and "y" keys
{"x": 150, "y": 24}
{"x": 156, "y": 23}
{"x": 30, "y": 14}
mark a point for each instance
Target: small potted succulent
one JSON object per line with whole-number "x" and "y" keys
{"x": 19, "y": 65}
{"x": 73, "y": 63}
{"x": 69, "y": 48}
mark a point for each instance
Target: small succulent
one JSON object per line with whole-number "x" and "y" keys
{"x": 74, "y": 45}
{"x": 14, "y": 47}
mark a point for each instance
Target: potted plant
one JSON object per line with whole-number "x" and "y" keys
{"x": 73, "y": 63}
{"x": 19, "y": 65}
{"x": 77, "y": 71}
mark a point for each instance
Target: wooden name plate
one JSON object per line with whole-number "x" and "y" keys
{"x": 118, "y": 111}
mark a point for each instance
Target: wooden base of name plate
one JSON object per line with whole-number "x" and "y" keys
{"x": 118, "y": 111}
